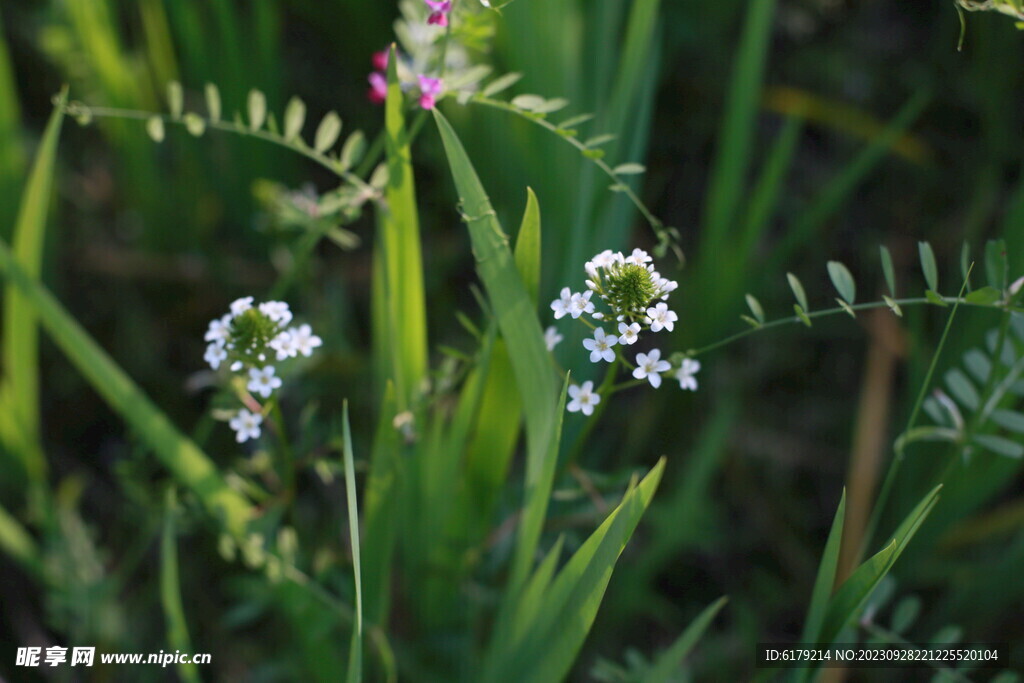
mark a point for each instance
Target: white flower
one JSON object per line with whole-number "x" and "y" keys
{"x": 215, "y": 353}
{"x": 628, "y": 334}
{"x": 277, "y": 311}
{"x": 246, "y": 425}
{"x": 661, "y": 317}
{"x": 304, "y": 339}
{"x": 263, "y": 382}
{"x": 605, "y": 259}
{"x": 591, "y": 269}
{"x": 581, "y": 304}
{"x": 561, "y": 305}
{"x": 236, "y": 366}
{"x": 685, "y": 374}
{"x": 219, "y": 330}
{"x": 649, "y": 366}
{"x": 1015, "y": 287}
{"x": 284, "y": 344}
{"x": 583, "y": 398}
{"x": 552, "y": 338}
{"x": 240, "y": 306}
{"x": 639, "y": 257}
{"x": 665, "y": 286}
{"x": 600, "y": 346}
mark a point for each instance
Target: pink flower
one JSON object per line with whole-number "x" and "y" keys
{"x": 442, "y": 8}
{"x": 380, "y": 60}
{"x": 430, "y": 88}
{"x": 378, "y": 87}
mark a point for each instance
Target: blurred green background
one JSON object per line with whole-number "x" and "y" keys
{"x": 881, "y": 132}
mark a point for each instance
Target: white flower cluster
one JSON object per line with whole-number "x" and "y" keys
{"x": 636, "y": 296}
{"x": 246, "y": 338}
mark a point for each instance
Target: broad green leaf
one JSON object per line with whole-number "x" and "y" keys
{"x": 213, "y": 102}
{"x": 798, "y": 291}
{"x": 984, "y": 296}
{"x": 850, "y": 597}
{"x": 514, "y": 625}
{"x": 928, "y": 267}
{"x": 155, "y": 128}
{"x": 170, "y": 590}
{"x": 755, "y": 308}
{"x": 665, "y": 666}
{"x": 888, "y": 269}
{"x": 355, "y": 656}
{"x": 257, "y": 109}
{"x": 175, "y": 99}
{"x": 962, "y": 389}
{"x": 527, "y": 251}
{"x": 1010, "y": 419}
{"x": 999, "y": 445}
{"x": 826, "y": 577}
{"x": 501, "y": 83}
{"x": 843, "y": 281}
{"x": 294, "y": 118}
{"x": 19, "y": 422}
{"x": 521, "y": 329}
{"x": 189, "y": 465}
{"x": 399, "y": 226}
{"x": 327, "y": 132}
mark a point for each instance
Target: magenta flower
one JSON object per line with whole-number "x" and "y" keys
{"x": 380, "y": 60}
{"x": 441, "y": 10}
{"x": 430, "y": 88}
{"x": 378, "y": 87}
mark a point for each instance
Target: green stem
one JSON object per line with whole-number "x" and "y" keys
{"x": 287, "y": 456}
{"x": 956, "y": 301}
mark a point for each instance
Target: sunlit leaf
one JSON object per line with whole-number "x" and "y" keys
{"x": 294, "y": 117}
{"x": 327, "y": 132}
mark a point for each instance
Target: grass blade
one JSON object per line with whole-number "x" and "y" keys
{"x": 520, "y": 327}
{"x": 20, "y": 330}
{"x": 849, "y": 598}
{"x": 355, "y": 661}
{"x": 728, "y": 175}
{"x": 400, "y": 239}
{"x": 826, "y": 578}
{"x": 170, "y": 591}
{"x": 527, "y": 251}
{"x": 668, "y": 661}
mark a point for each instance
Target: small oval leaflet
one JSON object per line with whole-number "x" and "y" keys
{"x": 327, "y": 132}
{"x": 843, "y": 281}
{"x": 155, "y": 128}
{"x": 294, "y": 117}
{"x": 213, "y": 102}
{"x": 257, "y": 109}
{"x": 195, "y": 124}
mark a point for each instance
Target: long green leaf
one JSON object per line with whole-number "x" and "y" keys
{"x": 520, "y": 327}
{"x": 826, "y": 576}
{"x": 850, "y": 597}
{"x": 20, "y": 331}
{"x": 170, "y": 590}
{"x": 355, "y": 660}
{"x": 400, "y": 238}
{"x": 17, "y": 543}
{"x": 668, "y": 661}
{"x": 568, "y": 608}
{"x": 729, "y": 172}
{"x": 190, "y": 466}
{"x": 383, "y": 489}
{"x": 527, "y": 251}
